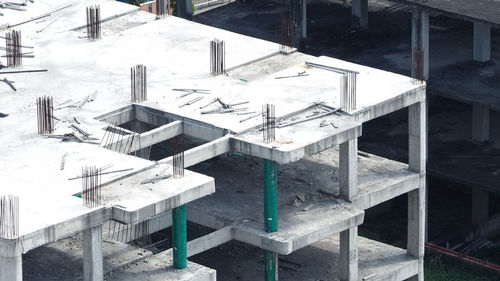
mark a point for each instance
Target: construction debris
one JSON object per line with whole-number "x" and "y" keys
{"x": 10, "y": 83}
{"x": 191, "y": 102}
{"x": 299, "y": 74}
{"x": 190, "y": 91}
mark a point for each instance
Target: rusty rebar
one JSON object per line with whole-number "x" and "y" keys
{"x": 91, "y": 186}
{"x": 9, "y": 216}
{"x": 286, "y": 32}
{"x": 178, "y": 157}
{"x": 138, "y": 81}
{"x": 93, "y": 22}
{"x": 217, "y": 57}
{"x": 13, "y": 48}
{"x": 268, "y": 123}
{"x": 45, "y": 115}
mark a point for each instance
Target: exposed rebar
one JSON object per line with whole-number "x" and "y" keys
{"x": 45, "y": 115}
{"x": 268, "y": 123}
{"x": 217, "y": 57}
{"x": 139, "y": 89}
{"x": 91, "y": 186}
{"x": 178, "y": 157}
{"x": 162, "y": 8}
{"x": 286, "y": 32}
{"x": 13, "y": 48}
{"x": 93, "y": 22}
{"x": 348, "y": 91}
{"x": 9, "y": 216}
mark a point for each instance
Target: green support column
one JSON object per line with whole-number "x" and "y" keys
{"x": 271, "y": 215}
{"x": 179, "y": 237}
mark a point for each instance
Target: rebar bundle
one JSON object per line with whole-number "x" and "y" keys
{"x": 45, "y": 115}
{"x": 286, "y": 32}
{"x": 13, "y": 48}
{"x": 93, "y": 22}
{"x": 9, "y": 216}
{"x": 217, "y": 57}
{"x": 268, "y": 123}
{"x": 178, "y": 157}
{"x": 348, "y": 91}
{"x": 139, "y": 90}
{"x": 91, "y": 187}
{"x": 162, "y": 8}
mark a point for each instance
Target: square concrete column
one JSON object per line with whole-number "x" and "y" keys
{"x": 11, "y": 261}
{"x": 480, "y": 205}
{"x": 348, "y": 181}
{"x": 420, "y": 44}
{"x": 349, "y": 254}
{"x": 184, "y": 8}
{"x": 92, "y": 254}
{"x": 298, "y": 12}
{"x": 482, "y": 42}
{"x": 480, "y": 123}
{"x": 359, "y": 12}
{"x": 304, "y": 19}
{"x": 348, "y": 169}
{"x": 417, "y": 147}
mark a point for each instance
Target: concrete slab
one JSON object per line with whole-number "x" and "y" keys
{"x": 299, "y": 227}
{"x": 159, "y": 268}
{"x": 484, "y": 11}
{"x": 63, "y": 259}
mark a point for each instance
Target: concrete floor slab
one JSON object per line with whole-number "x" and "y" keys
{"x": 159, "y": 268}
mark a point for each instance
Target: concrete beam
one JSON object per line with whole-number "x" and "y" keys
{"x": 420, "y": 44}
{"x": 348, "y": 258}
{"x": 482, "y": 42}
{"x": 143, "y": 141}
{"x": 92, "y": 254}
{"x": 203, "y": 152}
{"x": 11, "y": 262}
{"x": 480, "y": 123}
{"x": 348, "y": 169}
{"x": 480, "y": 214}
{"x": 210, "y": 241}
{"x": 359, "y": 12}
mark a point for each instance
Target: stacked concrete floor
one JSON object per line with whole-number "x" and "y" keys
{"x": 90, "y": 81}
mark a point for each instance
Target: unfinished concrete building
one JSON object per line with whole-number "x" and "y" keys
{"x": 98, "y": 84}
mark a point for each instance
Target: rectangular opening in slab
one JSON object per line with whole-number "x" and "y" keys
{"x": 165, "y": 148}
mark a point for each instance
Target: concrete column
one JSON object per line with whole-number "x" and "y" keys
{"x": 11, "y": 262}
{"x": 349, "y": 254}
{"x": 92, "y": 254}
{"x": 480, "y": 123}
{"x": 348, "y": 169}
{"x": 480, "y": 205}
{"x": 359, "y": 12}
{"x": 184, "y": 8}
{"x": 420, "y": 44}
{"x": 298, "y": 12}
{"x": 304, "y": 19}
{"x": 482, "y": 42}
{"x": 417, "y": 198}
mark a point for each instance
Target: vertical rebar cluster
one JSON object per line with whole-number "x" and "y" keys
{"x": 348, "y": 91}
{"x": 217, "y": 57}
{"x": 162, "y": 8}
{"x": 45, "y": 115}
{"x": 268, "y": 123}
{"x": 178, "y": 157}
{"x": 286, "y": 32}
{"x": 9, "y": 216}
{"x": 139, "y": 90}
{"x": 91, "y": 186}
{"x": 13, "y": 48}
{"x": 94, "y": 22}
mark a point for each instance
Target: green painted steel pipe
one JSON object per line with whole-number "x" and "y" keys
{"x": 271, "y": 215}
{"x": 179, "y": 237}
{"x": 270, "y": 196}
{"x": 271, "y": 266}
